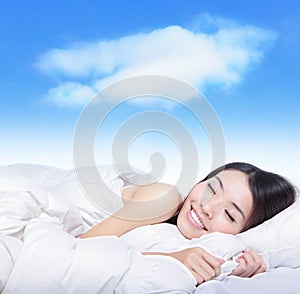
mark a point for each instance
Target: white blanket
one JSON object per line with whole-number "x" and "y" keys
{"x": 42, "y": 210}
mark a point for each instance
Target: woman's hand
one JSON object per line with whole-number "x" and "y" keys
{"x": 249, "y": 264}
{"x": 202, "y": 265}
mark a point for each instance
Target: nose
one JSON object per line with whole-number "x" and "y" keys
{"x": 207, "y": 210}
{"x": 211, "y": 207}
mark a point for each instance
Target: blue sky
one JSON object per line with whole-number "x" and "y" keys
{"x": 243, "y": 55}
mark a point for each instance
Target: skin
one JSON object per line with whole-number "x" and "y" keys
{"x": 227, "y": 206}
{"x": 143, "y": 205}
{"x": 221, "y": 204}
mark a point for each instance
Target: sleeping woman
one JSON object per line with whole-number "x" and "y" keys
{"x": 231, "y": 199}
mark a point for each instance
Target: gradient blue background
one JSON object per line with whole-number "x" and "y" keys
{"x": 259, "y": 115}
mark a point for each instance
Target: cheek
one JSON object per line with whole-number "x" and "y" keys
{"x": 223, "y": 226}
{"x": 196, "y": 193}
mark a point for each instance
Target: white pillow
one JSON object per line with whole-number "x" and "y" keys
{"x": 278, "y": 239}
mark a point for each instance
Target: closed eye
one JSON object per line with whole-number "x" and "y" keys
{"x": 229, "y": 216}
{"x": 211, "y": 188}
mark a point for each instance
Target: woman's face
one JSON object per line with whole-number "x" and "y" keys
{"x": 220, "y": 204}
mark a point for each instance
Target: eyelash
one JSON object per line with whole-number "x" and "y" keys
{"x": 211, "y": 188}
{"x": 229, "y": 216}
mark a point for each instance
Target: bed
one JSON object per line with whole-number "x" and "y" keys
{"x": 43, "y": 209}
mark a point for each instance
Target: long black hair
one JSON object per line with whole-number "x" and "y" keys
{"x": 271, "y": 193}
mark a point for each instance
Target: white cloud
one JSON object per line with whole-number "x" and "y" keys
{"x": 219, "y": 57}
{"x": 70, "y": 94}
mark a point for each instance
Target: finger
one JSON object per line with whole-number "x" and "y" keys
{"x": 249, "y": 256}
{"x": 198, "y": 278}
{"x": 260, "y": 261}
{"x": 202, "y": 273}
{"x": 261, "y": 268}
{"x": 241, "y": 268}
{"x": 214, "y": 262}
{"x": 254, "y": 263}
{"x": 200, "y": 265}
{"x": 211, "y": 259}
{"x": 203, "y": 259}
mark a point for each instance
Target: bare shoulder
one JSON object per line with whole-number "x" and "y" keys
{"x": 150, "y": 192}
{"x": 156, "y": 202}
{"x": 143, "y": 205}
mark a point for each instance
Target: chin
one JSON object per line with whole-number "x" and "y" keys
{"x": 191, "y": 235}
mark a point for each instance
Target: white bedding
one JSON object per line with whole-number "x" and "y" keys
{"x": 42, "y": 209}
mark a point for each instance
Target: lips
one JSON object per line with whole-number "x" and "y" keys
{"x": 195, "y": 220}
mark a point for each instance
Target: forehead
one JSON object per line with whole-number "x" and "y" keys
{"x": 234, "y": 176}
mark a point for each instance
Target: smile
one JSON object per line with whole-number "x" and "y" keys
{"x": 195, "y": 220}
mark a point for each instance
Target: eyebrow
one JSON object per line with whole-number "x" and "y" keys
{"x": 234, "y": 204}
{"x": 220, "y": 182}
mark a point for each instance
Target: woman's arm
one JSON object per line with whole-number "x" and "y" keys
{"x": 199, "y": 262}
{"x": 143, "y": 205}
{"x": 205, "y": 266}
